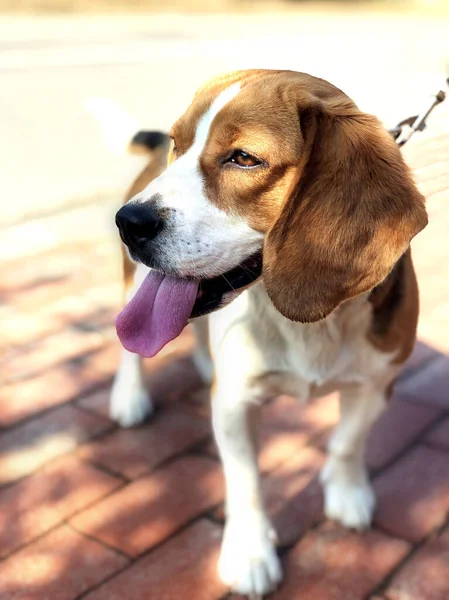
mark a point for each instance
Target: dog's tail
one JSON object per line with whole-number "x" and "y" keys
{"x": 117, "y": 126}
{"x": 146, "y": 142}
{"x": 154, "y": 147}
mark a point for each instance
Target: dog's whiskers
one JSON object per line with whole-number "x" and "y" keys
{"x": 228, "y": 282}
{"x": 248, "y": 270}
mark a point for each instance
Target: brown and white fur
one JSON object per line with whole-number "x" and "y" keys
{"x": 334, "y": 208}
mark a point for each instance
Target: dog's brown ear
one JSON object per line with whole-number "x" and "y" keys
{"x": 352, "y": 214}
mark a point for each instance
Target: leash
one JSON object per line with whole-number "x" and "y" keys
{"x": 406, "y": 128}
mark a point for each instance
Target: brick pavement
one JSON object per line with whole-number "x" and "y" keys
{"x": 90, "y": 511}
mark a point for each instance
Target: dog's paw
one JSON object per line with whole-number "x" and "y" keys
{"x": 248, "y": 563}
{"x": 350, "y": 503}
{"x": 129, "y": 405}
{"x": 348, "y": 495}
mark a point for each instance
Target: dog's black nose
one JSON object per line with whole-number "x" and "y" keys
{"x": 138, "y": 223}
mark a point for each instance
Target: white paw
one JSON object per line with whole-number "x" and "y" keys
{"x": 248, "y": 563}
{"x": 129, "y": 405}
{"x": 348, "y": 495}
{"x": 351, "y": 505}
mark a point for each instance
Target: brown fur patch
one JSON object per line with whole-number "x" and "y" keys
{"x": 395, "y": 310}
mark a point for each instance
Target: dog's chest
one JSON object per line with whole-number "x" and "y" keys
{"x": 324, "y": 352}
{"x": 332, "y": 352}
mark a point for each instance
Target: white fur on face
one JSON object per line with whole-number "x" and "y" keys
{"x": 199, "y": 240}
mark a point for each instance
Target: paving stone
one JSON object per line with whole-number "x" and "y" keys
{"x": 436, "y": 179}
{"x": 332, "y": 563}
{"x": 429, "y": 385}
{"x": 183, "y": 567}
{"x": 150, "y": 509}
{"x": 59, "y": 566}
{"x": 398, "y": 427}
{"x": 132, "y": 452}
{"x": 39, "y": 502}
{"x": 20, "y": 327}
{"x": 173, "y": 378}
{"x": 421, "y": 355}
{"x": 48, "y": 352}
{"x": 425, "y": 575}
{"x": 199, "y": 402}
{"x": 97, "y": 403}
{"x": 439, "y": 435}
{"x": 48, "y": 268}
{"x": 413, "y": 494}
{"x": 58, "y": 385}
{"x": 102, "y": 365}
{"x": 74, "y": 284}
{"x": 30, "y": 445}
{"x": 432, "y": 327}
{"x": 24, "y": 325}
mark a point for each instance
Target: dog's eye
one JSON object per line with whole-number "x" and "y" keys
{"x": 243, "y": 159}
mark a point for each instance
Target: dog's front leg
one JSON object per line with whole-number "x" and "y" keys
{"x": 248, "y": 562}
{"x": 130, "y": 402}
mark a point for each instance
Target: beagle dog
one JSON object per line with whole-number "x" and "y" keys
{"x": 291, "y": 211}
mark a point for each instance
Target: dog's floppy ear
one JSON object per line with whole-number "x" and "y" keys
{"x": 351, "y": 216}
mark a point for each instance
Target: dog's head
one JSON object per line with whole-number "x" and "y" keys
{"x": 276, "y": 173}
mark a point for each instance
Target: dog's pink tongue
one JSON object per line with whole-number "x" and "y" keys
{"x": 157, "y": 313}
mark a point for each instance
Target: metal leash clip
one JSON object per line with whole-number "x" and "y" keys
{"x": 406, "y": 128}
